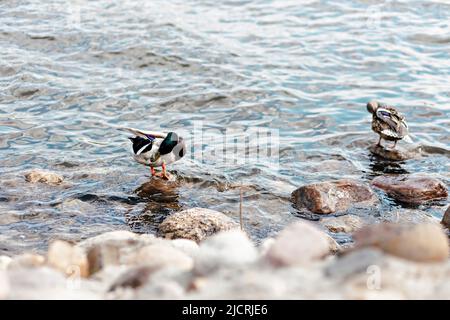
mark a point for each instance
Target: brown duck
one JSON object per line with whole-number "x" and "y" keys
{"x": 388, "y": 123}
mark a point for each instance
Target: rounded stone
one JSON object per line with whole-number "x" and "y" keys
{"x": 411, "y": 188}
{"x": 417, "y": 242}
{"x": 298, "y": 244}
{"x": 69, "y": 259}
{"x": 195, "y": 224}
{"x": 227, "y": 249}
{"x": 332, "y": 196}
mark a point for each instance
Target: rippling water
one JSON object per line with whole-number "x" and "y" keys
{"x": 72, "y": 71}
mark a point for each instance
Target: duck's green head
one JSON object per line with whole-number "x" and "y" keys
{"x": 372, "y": 106}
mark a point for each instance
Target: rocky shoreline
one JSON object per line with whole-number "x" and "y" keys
{"x": 387, "y": 261}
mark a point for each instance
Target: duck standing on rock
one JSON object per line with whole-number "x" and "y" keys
{"x": 156, "y": 149}
{"x": 388, "y": 123}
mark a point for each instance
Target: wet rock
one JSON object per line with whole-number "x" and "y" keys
{"x": 163, "y": 256}
{"x": 227, "y": 249}
{"x": 416, "y": 242}
{"x": 446, "y": 218}
{"x": 346, "y": 223}
{"x": 333, "y": 196}
{"x": 42, "y": 176}
{"x": 397, "y": 154}
{"x": 410, "y": 188}
{"x": 4, "y": 285}
{"x": 298, "y": 244}
{"x": 4, "y": 262}
{"x": 195, "y": 224}
{"x": 69, "y": 259}
{"x": 27, "y": 260}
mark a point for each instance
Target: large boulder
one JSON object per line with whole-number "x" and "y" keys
{"x": 416, "y": 242}
{"x": 333, "y": 196}
{"x": 195, "y": 224}
{"x": 410, "y": 188}
{"x": 298, "y": 244}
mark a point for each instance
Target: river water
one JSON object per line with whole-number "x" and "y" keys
{"x": 71, "y": 72}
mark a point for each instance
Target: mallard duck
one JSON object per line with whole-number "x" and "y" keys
{"x": 156, "y": 149}
{"x": 388, "y": 123}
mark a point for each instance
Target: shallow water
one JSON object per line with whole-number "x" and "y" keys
{"x": 71, "y": 72}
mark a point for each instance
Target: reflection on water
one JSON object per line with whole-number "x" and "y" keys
{"x": 70, "y": 75}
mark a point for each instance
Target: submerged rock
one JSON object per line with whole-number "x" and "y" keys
{"x": 195, "y": 224}
{"x": 42, "y": 176}
{"x": 397, "y": 154}
{"x": 416, "y": 242}
{"x": 410, "y": 188}
{"x": 225, "y": 250}
{"x": 67, "y": 258}
{"x": 299, "y": 243}
{"x": 446, "y": 218}
{"x": 333, "y": 196}
{"x": 346, "y": 223}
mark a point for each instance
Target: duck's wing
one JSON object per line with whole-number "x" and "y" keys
{"x": 144, "y": 133}
{"x": 395, "y": 124}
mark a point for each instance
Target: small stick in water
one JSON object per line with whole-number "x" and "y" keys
{"x": 241, "y": 220}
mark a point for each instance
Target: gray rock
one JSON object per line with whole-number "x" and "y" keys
{"x": 354, "y": 262}
{"x": 413, "y": 189}
{"x": 397, "y": 154}
{"x": 195, "y": 224}
{"x": 416, "y": 242}
{"x": 116, "y": 247}
{"x": 228, "y": 249}
{"x": 333, "y": 196}
{"x": 298, "y": 244}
